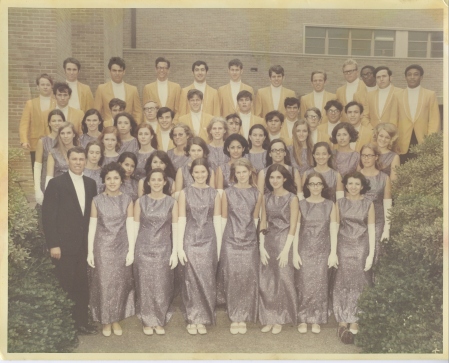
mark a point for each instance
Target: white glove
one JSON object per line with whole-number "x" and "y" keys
{"x": 37, "y": 183}
{"x": 256, "y": 222}
{"x": 283, "y": 256}
{"x": 264, "y": 256}
{"x": 300, "y": 196}
{"x": 174, "y": 252}
{"x": 218, "y": 232}
{"x": 181, "y": 230}
{"x": 220, "y": 191}
{"x": 339, "y": 194}
{"x": 386, "y": 232}
{"x": 131, "y": 241}
{"x": 372, "y": 243}
{"x": 90, "y": 241}
{"x": 332, "y": 261}
{"x": 296, "y": 258}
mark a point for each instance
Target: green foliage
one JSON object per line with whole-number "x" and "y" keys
{"x": 39, "y": 312}
{"x": 403, "y": 312}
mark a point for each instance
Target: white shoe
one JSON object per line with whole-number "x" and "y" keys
{"x": 276, "y": 328}
{"x": 234, "y": 328}
{"x": 191, "y": 328}
{"x": 201, "y": 329}
{"x": 316, "y": 328}
{"x": 266, "y": 328}
{"x": 148, "y": 330}
{"x": 242, "y": 327}
{"x": 159, "y": 330}
{"x": 302, "y": 328}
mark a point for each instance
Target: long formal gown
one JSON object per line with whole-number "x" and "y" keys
{"x": 330, "y": 177}
{"x": 352, "y": 251}
{"x": 152, "y": 272}
{"x": 129, "y": 145}
{"x": 142, "y": 158}
{"x": 226, "y": 171}
{"x": 278, "y": 302}
{"x": 111, "y": 285}
{"x": 110, "y": 159}
{"x": 95, "y": 175}
{"x": 304, "y": 161}
{"x": 178, "y": 161}
{"x": 314, "y": 249}
{"x": 47, "y": 144}
{"x": 345, "y": 162}
{"x": 376, "y": 195}
{"x": 238, "y": 268}
{"x": 198, "y": 284}
{"x": 258, "y": 160}
{"x": 85, "y": 139}
{"x": 386, "y": 160}
{"x": 216, "y": 156}
{"x": 129, "y": 187}
{"x": 61, "y": 165}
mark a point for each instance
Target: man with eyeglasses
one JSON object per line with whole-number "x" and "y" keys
{"x": 319, "y": 97}
{"x": 354, "y": 111}
{"x": 333, "y": 110}
{"x": 150, "y": 114}
{"x": 163, "y": 92}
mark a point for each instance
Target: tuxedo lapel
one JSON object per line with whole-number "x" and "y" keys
{"x": 71, "y": 192}
{"x": 406, "y": 105}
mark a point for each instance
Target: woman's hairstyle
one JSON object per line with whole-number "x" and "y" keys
{"x": 391, "y": 130}
{"x": 357, "y": 175}
{"x": 324, "y": 191}
{"x": 186, "y": 129}
{"x": 197, "y": 141}
{"x": 88, "y": 113}
{"x": 329, "y": 151}
{"x": 96, "y": 143}
{"x": 163, "y": 156}
{"x": 52, "y": 113}
{"x": 376, "y": 152}
{"x": 220, "y": 120}
{"x": 353, "y": 133}
{"x": 132, "y": 122}
{"x": 314, "y": 109}
{"x": 240, "y": 139}
{"x": 112, "y": 167}
{"x": 146, "y": 183}
{"x": 247, "y": 164}
{"x": 298, "y": 145}
{"x": 145, "y": 125}
{"x": 111, "y": 130}
{"x": 287, "y": 159}
{"x": 289, "y": 183}
{"x": 58, "y": 145}
{"x": 266, "y": 142}
{"x": 125, "y": 155}
{"x": 203, "y": 162}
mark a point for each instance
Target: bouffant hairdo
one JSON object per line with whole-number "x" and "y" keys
{"x": 357, "y": 175}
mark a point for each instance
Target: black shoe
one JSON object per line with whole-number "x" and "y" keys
{"x": 87, "y": 330}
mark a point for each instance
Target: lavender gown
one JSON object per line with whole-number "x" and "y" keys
{"x": 95, "y": 175}
{"x": 330, "y": 177}
{"x": 352, "y": 251}
{"x": 238, "y": 269}
{"x": 85, "y": 139}
{"x": 61, "y": 165}
{"x": 278, "y": 302}
{"x": 314, "y": 249}
{"x": 198, "y": 284}
{"x": 258, "y": 160}
{"x": 112, "y": 285}
{"x": 129, "y": 187}
{"x": 386, "y": 160}
{"x": 226, "y": 171}
{"x": 130, "y": 145}
{"x": 345, "y": 162}
{"x": 47, "y": 144}
{"x": 142, "y": 158}
{"x": 110, "y": 159}
{"x": 216, "y": 156}
{"x": 305, "y": 163}
{"x": 178, "y": 161}
{"x": 152, "y": 273}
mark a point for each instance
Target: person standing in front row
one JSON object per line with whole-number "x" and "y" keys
{"x": 65, "y": 217}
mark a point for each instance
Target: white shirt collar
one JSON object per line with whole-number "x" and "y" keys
{"x": 238, "y": 83}
{"x": 416, "y": 89}
{"x": 199, "y": 85}
{"x": 75, "y": 177}
{"x": 386, "y": 89}
{"x": 72, "y": 83}
{"x": 162, "y": 82}
{"x": 63, "y": 109}
{"x": 44, "y": 97}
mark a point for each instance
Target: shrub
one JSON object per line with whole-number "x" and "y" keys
{"x": 403, "y": 312}
{"x": 39, "y": 312}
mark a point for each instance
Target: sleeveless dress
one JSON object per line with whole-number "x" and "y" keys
{"x": 330, "y": 177}
{"x": 110, "y": 159}
{"x": 238, "y": 268}
{"x": 170, "y": 182}
{"x": 305, "y": 163}
{"x": 187, "y": 179}
{"x": 129, "y": 187}
{"x": 112, "y": 285}
{"x": 385, "y": 161}
{"x": 226, "y": 170}
{"x": 258, "y": 160}
{"x": 314, "y": 249}
{"x": 130, "y": 145}
{"x": 152, "y": 273}
{"x": 47, "y": 144}
{"x": 198, "y": 284}
{"x": 85, "y": 139}
{"x": 278, "y": 302}
{"x": 288, "y": 167}
{"x": 345, "y": 162}
{"x": 216, "y": 156}
{"x": 352, "y": 251}
{"x": 376, "y": 195}
{"x": 61, "y": 165}
{"x": 178, "y": 161}
{"x": 95, "y": 175}
{"x": 142, "y": 158}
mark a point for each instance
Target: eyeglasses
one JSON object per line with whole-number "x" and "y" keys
{"x": 146, "y": 109}
{"x": 367, "y": 156}
{"x": 313, "y": 185}
{"x": 333, "y": 110}
{"x": 179, "y": 135}
{"x": 161, "y": 68}
{"x": 312, "y": 117}
{"x": 277, "y": 151}
{"x": 367, "y": 74}
{"x": 350, "y": 71}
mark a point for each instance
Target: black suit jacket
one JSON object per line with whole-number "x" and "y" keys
{"x": 64, "y": 224}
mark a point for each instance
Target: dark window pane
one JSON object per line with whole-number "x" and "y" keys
{"x": 383, "y": 52}
{"x": 417, "y": 53}
{"x": 312, "y": 50}
{"x": 417, "y": 36}
{"x": 384, "y": 34}
{"x": 436, "y": 54}
{"x": 338, "y": 50}
{"x": 383, "y": 45}
{"x": 315, "y": 32}
{"x": 338, "y": 33}
{"x": 361, "y": 34}
{"x": 422, "y": 46}
{"x": 361, "y": 47}
{"x": 437, "y": 36}
{"x": 315, "y": 42}
{"x": 436, "y": 50}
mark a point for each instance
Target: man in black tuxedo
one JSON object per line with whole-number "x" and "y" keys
{"x": 65, "y": 216}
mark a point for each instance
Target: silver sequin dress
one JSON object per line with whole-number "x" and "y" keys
{"x": 130, "y": 145}
{"x": 385, "y": 160}
{"x": 238, "y": 268}
{"x": 314, "y": 249}
{"x": 129, "y": 187}
{"x": 345, "y": 162}
{"x": 47, "y": 144}
{"x": 142, "y": 158}
{"x": 110, "y": 159}
{"x": 178, "y": 161}
{"x": 226, "y": 171}
{"x": 95, "y": 175}
{"x": 111, "y": 286}
{"x": 187, "y": 179}
{"x": 352, "y": 251}
{"x": 152, "y": 273}
{"x": 216, "y": 156}
{"x": 278, "y": 302}
{"x": 304, "y": 161}
{"x": 61, "y": 165}
{"x": 198, "y": 283}
{"x": 258, "y": 160}
{"x": 85, "y": 139}
{"x": 330, "y": 177}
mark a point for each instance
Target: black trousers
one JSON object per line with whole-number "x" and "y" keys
{"x": 404, "y": 157}
{"x": 71, "y": 271}
{"x": 33, "y": 159}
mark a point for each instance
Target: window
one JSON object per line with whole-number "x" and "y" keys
{"x": 425, "y": 44}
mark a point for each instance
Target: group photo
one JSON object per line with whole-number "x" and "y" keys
{"x": 274, "y": 188}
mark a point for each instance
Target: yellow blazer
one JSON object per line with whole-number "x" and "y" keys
{"x": 227, "y": 103}
{"x": 426, "y": 122}
{"x": 211, "y": 103}
{"x": 264, "y": 100}
{"x": 150, "y": 93}
{"x": 365, "y": 137}
{"x": 32, "y": 124}
{"x": 360, "y": 97}
{"x": 390, "y": 111}
{"x": 159, "y": 141}
{"x": 323, "y": 136}
{"x": 205, "y": 119}
{"x": 308, "y": 101}
{"x": 253, "y": 121}
{"x": 85, "y": 97}
{"x": 74, "y": 116}
{"x": 105, "y": 93}
{"x": 341, "y": 96}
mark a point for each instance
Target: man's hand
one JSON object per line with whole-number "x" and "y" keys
{"x": 55, "y": 252}
{"x": 25, "y": 146}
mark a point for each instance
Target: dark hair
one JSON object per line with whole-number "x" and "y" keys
{"x": 324, "y": 192}
{"x": 240, "y": 139}
{"x": 235, "y": 62}
{"x": 233, "y": 116}
{"x": 266, "y": 142}
{"x": 125, "y": 155}
{"x": 415, "y": 66}
{"x": 117, "y": 102}
{"x": 71, "y": 60}
{"x": 354, "y": 103}
{"x": 61, "y": 87}
{"x": 114, "y": 166}
{"x": 357, "y": 175}
{"x": 334, "y": 103}
{"x": 45, "y": 76}
{"x": 353, "y": 133}
{"x": 318, "y": 72}
{"x": 244, "y": 94}
{"x": 329, "y": 151}
{"x": 203, "y": 162}
{"x": 118, "y": 61}
{"x": 383, "y": 68}
{"x": 269, "y": 159}
{"x": 153, "y": 141}
{"x": 314, "y": 109}
{"x": 56, "y": 111}
{"x": 163, "y": 110}
{"x": 200, "y": 63}
{"x": 163, "y": 156}
{"x": 193, "y": 92}
{"x": 276, "y": 69}
{"x": 289, "y": 184}
{"x": 130, "y": 118}
{"x": 196, "y": 140}
{"x": 162, "y": 59}
{"x": 76, "y": 149}
{"x": 96, "y": 143}
{"x": 146, "y": 185}
{"x": 270, "y": 115}
{"x": 291, "y": 101}
{"x": 369, "y": 67}
{"x": 112, "y": 130}
{"x": 88, "y": 113}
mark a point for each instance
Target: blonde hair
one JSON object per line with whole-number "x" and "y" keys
{"x": 223, "y": 122}
{"x": 58, "y": 143}
{"x": 348, "y": 62}
{"x": 247, "y": 164}
{"x": 391, "y": 130}
{"x": 298, "y": 146}
{"x": 376, "y": 152}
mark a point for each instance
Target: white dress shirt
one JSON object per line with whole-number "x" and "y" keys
{"x": 74, "y": 99}
{"x": 351, "y": 88}
{"x": 314, "y": 135}
{"x": 65, "y": 111}
{"x": 44, "y": 102}
{"x": 119, "y": 90}
{"x": 246, "y": 123}
{"x": 330, "y": 127}
{"x": 290, "y": 127}
{"x": 165, "y": 136}
{"x": 383, "y": 95}
{"x": 78, "y": 183}
{"x": 272, "y": 137}
{"x": 318, "y": 99}
{"x": 162, "y": 91}
{"x": 413, "y": 97}
{"x": 235, "y": 89}
{"x": 352, "y": 144}
{"x": 276, "y": 96}
{"x": 196, "y": 122}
